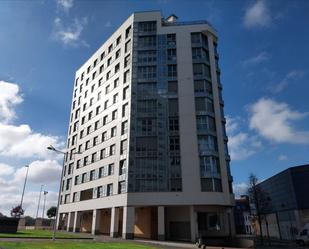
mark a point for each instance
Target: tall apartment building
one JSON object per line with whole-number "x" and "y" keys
{"x": 147, "y": 118}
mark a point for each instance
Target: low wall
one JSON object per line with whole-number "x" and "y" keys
{"x": 8, "y": 225}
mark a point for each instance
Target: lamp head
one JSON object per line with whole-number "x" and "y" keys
{"x": 50, "y": 147}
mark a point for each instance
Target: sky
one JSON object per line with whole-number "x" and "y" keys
{"x": 264, "y": 61}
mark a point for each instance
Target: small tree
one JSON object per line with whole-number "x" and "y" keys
{"x": 17, "y": 211}
{"x": 258, "y": 197}
{"x": 51, "y": 212}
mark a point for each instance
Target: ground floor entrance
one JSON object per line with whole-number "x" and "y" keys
{"x": 178, "y": 223}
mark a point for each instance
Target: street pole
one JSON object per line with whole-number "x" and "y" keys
{"x": 37, "y": 211}
{"x": 58, "y": 204}
{"x": 22, "y": 196}
{"x": 60, "y": 185}
{"x": 45, "y": 193}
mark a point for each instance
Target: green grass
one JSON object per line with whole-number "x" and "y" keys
{"x": 70, "y": 245}
{"x": 38, "y": 233}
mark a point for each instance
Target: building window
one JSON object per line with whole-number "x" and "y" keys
{"x": 95, "y": 140}
{"x": 195, "y": 37}
{"x": 127, "y": 60}
{"x": 207, "y": 143}
{"x": 172, "y": 70}
{"x": 147, "y": 106}
{"x": 111, "y": 169}
{"x": 103, "y": 153}
{"x": 172, "y": 87}
{"x": 87, "y": 145}
{"x": 173, "y": 107}
{"x": 171, "y": 39}
{"x": 115, "y": 98}
{"x": 99, "y": 191}
{"x": 209, "y": 166}
{"x": 118, "y": 40}
{"x": 114, "y": 115}
{"x": 174, "y": 144}
{"x": 128, "y": 46}
{"x": 148, "y": 56}
{"x": 147, "y": 41}
{"x": 113, "y": 131}
{"x": 126, "y": 76}
{"x": 85, "y": 160}
{"x": 122, "y": 167}
{"x": 128, "y": 32}
{"x": 205, "y": 123}
{"x": 112, "y": 150}
{"x": 171, "y": 54}
{"x": 110, "y": 48}
{"x": 117, "y": 68}
{"x": 117, "y": 54}
{"x": 123, "y": 147}
{"x": 92, "y": 175}
{"x": 116, "y": 82}
{"x": 125, "y": 109}
{"x": 201, "y": 70}
{"x": 124, "y": 127}
{"x": 125, "y": 93}
{"x": 105, "y": 120}
{"x": 173, "y": 124}
{"x": 121, "y": 187}
{"x": 202, "y": 86}
{"x": 147, "y": 72}
{"x": 108, "y": 75}
{"x": 200, "y": 54}
{"x": 104, "y": 136}
{"x": 204, "y": 104}
{"x": 150, "y": 26}
{"x": 109, "y": 191}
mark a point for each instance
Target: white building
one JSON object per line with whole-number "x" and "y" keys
{"x": 147, "y": 117}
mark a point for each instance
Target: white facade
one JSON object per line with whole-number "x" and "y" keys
{"x": 157, "y": 163}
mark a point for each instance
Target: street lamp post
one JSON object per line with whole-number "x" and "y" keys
{"x": 22, "y": 196}
{"x": 45, "y": 193}
{"x": 37, "y": 211}
{"x": 60, "y": 185}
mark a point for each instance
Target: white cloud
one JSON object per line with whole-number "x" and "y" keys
{"x": 241, "y": 145}
{"x": 240, "y": 189}
{"x": 70, "y": 35}
{"x": 282, "y": 157}
{"x": 6, "y": 169}
{"x": 45, "y": 172}
{"x": 42, "y": 172}
{"x": 261, "y": 57}
{"x": 273, "y": 121}
{"x": 65, "y": 5}
{"x": 9, "y": 97}
{"x": 30, "y": 202}
{"x": 257, "y": 15}
{"x": 292, "y": 76}
{"x": 20, "y": 141}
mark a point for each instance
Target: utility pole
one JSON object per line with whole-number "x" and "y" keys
{"x": 22, "y": 196}
{"x": 45, "y": 193}
{"x": 37, "y": 211}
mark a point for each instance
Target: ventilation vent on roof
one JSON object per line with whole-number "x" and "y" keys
{"x": 171, "y": 19}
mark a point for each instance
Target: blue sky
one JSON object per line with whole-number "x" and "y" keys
{"x": 263, "y": 46}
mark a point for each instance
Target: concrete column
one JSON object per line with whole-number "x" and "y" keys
{"x": 114, "y": 222}
{"x": 193, "y": 224}
{"x": 128, "y": 222}
{"x": 68, "y": 222}
{"x": 96, "y": 216}
{"x": 161, "y": 223}
{"x": 76, "y": 224}
{"x": 58, "y": 220}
